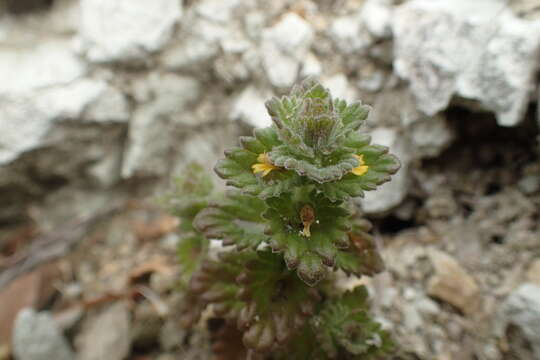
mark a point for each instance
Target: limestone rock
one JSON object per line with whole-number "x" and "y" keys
{"x": 377, "y": 17}
{"x": 151, "y": 131}
{"x": 349, "y": 35}
{"x": 521, "y": 310}
{"x": 284, "y": 45}
{"x": 446, "y": 48}
{"x": 249, "y": 107}
{"x": 391, "y": 193}
{"x": 452, "y": 284}
{"x": 106, "y": 336}
{"x": 36, "y": 336}
{"x": 125, "y": 30}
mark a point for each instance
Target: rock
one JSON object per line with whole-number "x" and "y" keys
{"x": 249, "y": 107}
{"x": 339, "y": 87}
{"x": 190, "y": 53}
{"x": 284, "y": 45}
{"x": 452, "y": 284}
{"x": 371, "y": 79}
{"x": 153, "y": 123}
{"x": 220, "y": 11}
{"x": 50, "y": 63}
{"x": 448, "y": 48}
{"x": 311, "y": 66}
{"x": 392, "y": 193}
{"x": 529, "y": 184}
{"x": 430, "y": 136}
{"x": 533, "y": 273}
{"x": 125, "y": 30}
{"x": 106, "y": 335}
{"x": 377, "y": 17}
{"x": 349, "y": 36}
{"x": 520, "y": 313}
{"x": 36, "y": 336}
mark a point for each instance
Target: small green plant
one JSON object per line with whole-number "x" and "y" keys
{"x": 287, "y": 226}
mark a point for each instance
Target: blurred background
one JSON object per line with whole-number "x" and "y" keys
{"x": 103, "y": 103}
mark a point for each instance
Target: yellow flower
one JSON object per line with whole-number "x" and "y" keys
{"x": 361, "y": 169}
{"x": 264, "y": 165}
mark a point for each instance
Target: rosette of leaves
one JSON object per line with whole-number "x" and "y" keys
{"x": 313, "y": 137}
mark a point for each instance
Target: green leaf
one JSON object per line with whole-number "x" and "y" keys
{"x": 312, "y": 255}
{"x": 381, "y": 166}
{"x": 236, "y": 220}
{"x": 237, "y": 169}
{"x": 191, "y": 251}
{"x": 344, "y": 325}
{"x": 277, "y": 302}
{"x": 334, "y": 167}
{"x": 190, "y": 194}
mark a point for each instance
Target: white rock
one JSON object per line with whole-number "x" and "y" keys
{"x": 292, "y": 35}
{"x": 110, "y": 106}
{"x": 124, "y": 30}
{"x": 282, "y": 70}
{"x": 150, "y": 136}
{"x": 249, "y": 107}
{"x": 217, "y": 10}
{"x": 377, "y": 17}
{"x": 391, "y": 193}
{"x": 430, "y": 136}
{"x": 283, "y": 47}
{"x": 191, "y": 52}
{"x": 339, "y": 87}
{"x": 36, "y": 336}
{"x": 461, "y": 47}
{"x": 311, "y": 66}
{"x": 48, "y": 64}
{"x": 349, "y": 35}
{"x": 522, "y": 309}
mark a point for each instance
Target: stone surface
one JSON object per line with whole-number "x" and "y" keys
{"x": 390, "y": 194}
{"x": 284, "y": 45}
{"x": 452, "y": 284}
{"x": 36, "y": 337}
{"x": 165, "y": 97}
{"x": 377, "y": 17}
{"x": 349, "y": 36}
{"x": 522, "y": 310}
{"x": 125, "y": 30}
{"x": 106, "y": 336}
{"x": 249, "y": 108}
{"x": 447, "y": 48}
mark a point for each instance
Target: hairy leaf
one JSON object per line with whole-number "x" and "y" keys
{"x": 235, "y": 219}
{"x": 237, "y": 169}
{"x": 312, "y": 255}
{"x": 381, "y": 166}
{"x": 277, "y": 302}
{"x": 344, "y": 325}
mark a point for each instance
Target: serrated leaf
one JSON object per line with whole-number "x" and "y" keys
{"x": 334, "y": 168}
{"x": 312, "y": 255}
{"x": 190, "y": 194}
{"x": 381, "y": 166}
{"x": 192, "y": 249}
{"x": 236, "y": 220}
{"x": 237, "y": 169}
{"x": 343, "y": 324}
{"x": 277, "y": 302}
